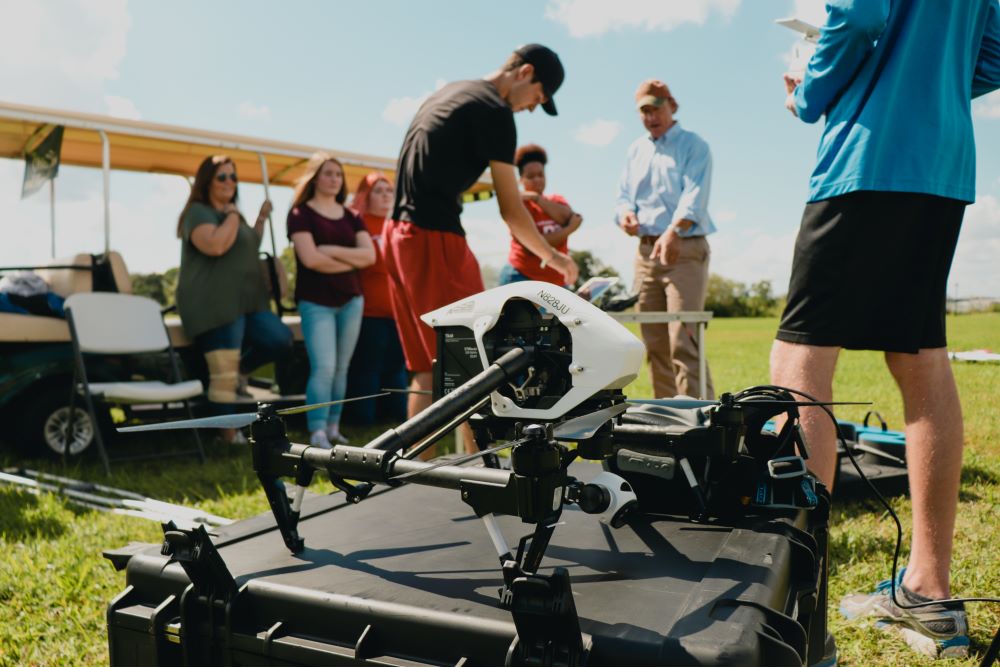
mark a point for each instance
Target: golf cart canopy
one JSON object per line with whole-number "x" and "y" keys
{"x": 169, "y": 149}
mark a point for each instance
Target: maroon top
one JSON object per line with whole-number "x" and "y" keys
{"x": 326, "y": 289}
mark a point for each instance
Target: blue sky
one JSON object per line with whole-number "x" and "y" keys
{"x": 348, "y": 76}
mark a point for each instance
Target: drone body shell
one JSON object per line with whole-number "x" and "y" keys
{"x": 606, "y": 355}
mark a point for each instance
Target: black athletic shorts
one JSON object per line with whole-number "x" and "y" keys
{"x": 870, "y": 272}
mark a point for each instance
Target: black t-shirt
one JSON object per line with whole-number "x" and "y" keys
{"x": 451, "y": 141}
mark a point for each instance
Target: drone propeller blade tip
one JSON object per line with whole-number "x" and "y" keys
{"x": 315, "y": 406}
{"x": 221, "y": 421}
{"x": 679, "y": 403}
{"x": 584, "y": 427}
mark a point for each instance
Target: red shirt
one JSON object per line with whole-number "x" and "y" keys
{"x": 375, "y": 278}
{"x": 523, "y": 259}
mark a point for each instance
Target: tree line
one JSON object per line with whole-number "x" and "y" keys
{"x": 725, "y": 297}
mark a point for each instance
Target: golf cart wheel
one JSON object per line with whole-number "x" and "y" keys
{"x": 40, "y": 417}
{"x": 54, "y": 427}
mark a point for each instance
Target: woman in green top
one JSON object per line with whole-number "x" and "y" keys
{"x": 221, "y": 294}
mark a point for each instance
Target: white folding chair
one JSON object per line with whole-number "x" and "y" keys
{"x": 108, "y": 323}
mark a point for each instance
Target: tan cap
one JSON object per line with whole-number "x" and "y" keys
{"x": 654, "y": 92}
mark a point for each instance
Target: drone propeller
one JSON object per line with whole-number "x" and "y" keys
{"x": 578, "y": 428}
{"x": 234, "y": 421}
{"x": 221, "y": 421}
{"x": 694, "y": 403}
{"x": 315, "y": 406}
{"x": 583, "y": 428}
{"x": 392, "y": 390}
{"x": 679, "y": 403}
{"x": 460, "y": 460}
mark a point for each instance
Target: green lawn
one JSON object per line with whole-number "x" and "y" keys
{"x": 54, "y": 584}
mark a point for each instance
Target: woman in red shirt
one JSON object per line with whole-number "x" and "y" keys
{"x": 552, "y": 215}
{"x": 378, "y": 361}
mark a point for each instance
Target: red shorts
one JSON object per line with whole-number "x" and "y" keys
{"x": 428, "y": 269}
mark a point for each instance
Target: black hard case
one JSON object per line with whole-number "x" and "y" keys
{"x": 410, "y": 577}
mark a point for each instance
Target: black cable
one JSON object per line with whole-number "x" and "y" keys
{"x": 881, "y": 499}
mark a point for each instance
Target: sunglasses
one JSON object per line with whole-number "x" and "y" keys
{"x": 221, "y": 178}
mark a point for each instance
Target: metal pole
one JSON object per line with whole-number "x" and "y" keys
{"x": 267, "y": 195}
{"x": 106, "y": 169}
{"x": 52, "y": 216}
{"x": 702, "y": 365}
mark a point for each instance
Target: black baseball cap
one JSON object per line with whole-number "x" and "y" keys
{"x": 548, "y": 71}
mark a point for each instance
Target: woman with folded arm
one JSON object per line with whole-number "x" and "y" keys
{"x": 331, "y": 244}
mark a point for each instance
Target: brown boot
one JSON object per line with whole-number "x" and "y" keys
{"x": 223, "y": 374}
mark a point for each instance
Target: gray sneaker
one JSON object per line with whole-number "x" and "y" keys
{"x": 937, "y": 631}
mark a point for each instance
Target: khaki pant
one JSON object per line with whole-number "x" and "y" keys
{"x": 672, "y": 349}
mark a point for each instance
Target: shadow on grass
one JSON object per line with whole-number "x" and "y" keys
{"x": 22, "y": 517}
{"x": 974, "y": 474}
{"x": 847, "y": 546}
{"x": 227, "y": 471}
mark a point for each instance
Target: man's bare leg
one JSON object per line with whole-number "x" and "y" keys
{"x": 809, "y": 368}
{"x": 934, "y": 435}
{"x": 417, "y": 403}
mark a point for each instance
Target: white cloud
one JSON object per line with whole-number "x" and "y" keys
{"x": 586, "y": 18}
{"x": 400, "y": 110}
{"x": 62, "y": 53}
{"x": 810, "y": 11}
{"x": 724, "y": 216}
{"x": 988, "y": 106}
{"x": 252, "y": 111}
{"x": 122, "y": 107}
{"x": 599, "y": 132}
{"x": 748, "y": 255}
{"x": 488, "y": 235}
{"x": 975, "y": 269}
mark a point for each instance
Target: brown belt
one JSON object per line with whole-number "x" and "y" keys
{"x": 650, "y": 240}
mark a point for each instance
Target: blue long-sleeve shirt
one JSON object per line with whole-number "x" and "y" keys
{"x": 909, "y": 127}
{"x": 666, "y": 180}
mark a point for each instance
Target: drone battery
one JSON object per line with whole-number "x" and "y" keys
{"x": 457, "y": 359}
{"x": 409, "y": 577}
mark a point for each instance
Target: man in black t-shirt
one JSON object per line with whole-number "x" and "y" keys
{"x": 459, "y": 132}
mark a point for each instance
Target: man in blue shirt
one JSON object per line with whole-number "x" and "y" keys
{"x": 895, "y": 170}
{"x": 663, "y": 200}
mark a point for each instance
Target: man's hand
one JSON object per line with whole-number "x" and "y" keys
{"x": 528, "y": 195}
{"x": 565, "y": 265}
{"x": 792, "y": 82}
{"x": 667, "y": 248}
{"x": 630, "y": 224}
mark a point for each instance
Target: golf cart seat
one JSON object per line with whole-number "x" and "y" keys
{"x": 66, "y": 276}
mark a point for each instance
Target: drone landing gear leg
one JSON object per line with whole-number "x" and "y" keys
{"x": 548, "y": 628}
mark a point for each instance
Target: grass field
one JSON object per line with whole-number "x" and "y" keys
{"x": 54, "y": 584}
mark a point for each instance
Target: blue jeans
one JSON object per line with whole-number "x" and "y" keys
{"x": 378, "y": 362}
{"x": 508, "y": 275}
{"x": 261, "y": 336}
{"x": 330, "y": 335}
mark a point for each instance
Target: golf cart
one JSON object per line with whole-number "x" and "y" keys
{"x": 36, "y": 355}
